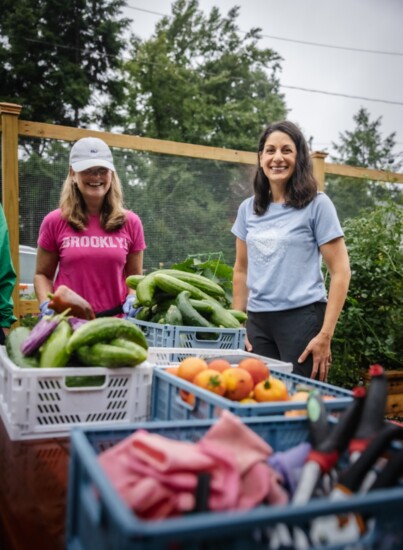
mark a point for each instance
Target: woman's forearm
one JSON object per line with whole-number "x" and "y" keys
{"x": 239, "y": 291}
{"x": 337, "y": 296}
{"x": 43, "y": 286}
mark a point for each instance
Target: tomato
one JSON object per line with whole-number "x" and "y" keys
{"x": 271, "y": 389}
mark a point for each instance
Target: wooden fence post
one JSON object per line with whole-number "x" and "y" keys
{"x": 9, "y": 170}
{"x": 318, "y": 160}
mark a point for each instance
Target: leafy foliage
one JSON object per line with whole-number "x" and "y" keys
{"x": 370, "y": 327}
{"x": 58, "y": 58}
{"x": 198, "y": 80}
{"x": 364, "y": 147}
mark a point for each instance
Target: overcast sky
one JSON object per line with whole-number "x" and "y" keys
{"x": 375, "y": 72}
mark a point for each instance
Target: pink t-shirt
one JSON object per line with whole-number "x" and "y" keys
{"x": 92, "y": 262}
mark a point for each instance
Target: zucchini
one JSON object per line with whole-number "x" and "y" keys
{"x": 221, "y": 317}
{"x": 85, "y": 381}
{"x": 107, "y": 355}
{"x": 202, "y": 306}
{"x": 240, "y": 315}
{"x": 139, "y": 351}
{"x": 104, "y": 329}
{"x": 146, "y": 288}
{"x": 144, "y": 313}
{"x": 53, "y": 353}
{"x": 174, "y": 286}
{"x": 206, "y": 285}
{"x": 13, "y": 346}
{"x": 191, "y": 317}
{"x": 132, "y": 281}
{"x": 173, "y": 316}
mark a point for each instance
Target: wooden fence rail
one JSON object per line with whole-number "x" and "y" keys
{"x": 12, "y": 128}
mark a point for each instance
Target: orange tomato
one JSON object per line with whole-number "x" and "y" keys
{"x": 190, "y": 367}
{"x": 256, "y": 367}
{"x": 219, "y": 365}
{"x": 173, "y": 370}
{"x": 188, "y": 397}
{"x": 239, "y": 383}
{"x": 210, "y": 380}
{"x": 272, "y": 389}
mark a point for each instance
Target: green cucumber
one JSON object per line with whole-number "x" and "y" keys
{"x": 207, "y": 285}
{"x": 174, "y": 286}
{"x": 191, "y": 317}
{"x": 202, "y": 306}
{"x": 107, "y": 355}
{"x": 13, "y": 346}
{"x": 104, "y": 329}
{"x": 240, "y": 315}
{"x": 146, "y": 288}
{"x": 132, "y": 281}
{"x": 144, "y": 314}
{"x": 173, "y": 316}
{"x": 54, "y": 353}
{"x": 221, "y": 317}
{"x": 131, "y": 346}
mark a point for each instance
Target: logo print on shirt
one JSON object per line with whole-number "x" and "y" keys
{"x": 266, "y": 244}
{"x": 95, "y": 242}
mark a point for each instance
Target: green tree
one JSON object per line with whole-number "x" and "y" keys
{"x": 199, "y": 80}
{"x": 365, "y": 147}
{"x": 61, "y": 60}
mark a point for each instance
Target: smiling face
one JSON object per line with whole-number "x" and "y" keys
{"x": 93, "y": 184}
{"x": 278, "y": 159}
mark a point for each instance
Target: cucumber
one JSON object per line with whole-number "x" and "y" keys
{"x": 53, "y": 353}
{"x": 144, "y": 313}
{"x": 173, "y": 316}
{"x": 146, "y": 288}
{"x": 107, "y": 355}
{"x": 174, "y": 286}
{"x": 129, "y": 345}
{"x": 202, "y": 306}
{"x": 13, "y": 346}
{"x": 240, "y": 315}
{"x": 104, "y": 329}
{"x": 207, "y": 285}
{"x": 191, "y": 317}
{"x": 132, "y": 281}
{"x": 221, "y": 317}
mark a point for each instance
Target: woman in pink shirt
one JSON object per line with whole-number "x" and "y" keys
{"x": 90, "y": 243}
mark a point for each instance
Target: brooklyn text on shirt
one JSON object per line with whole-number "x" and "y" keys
{"x": 94, "y": 241}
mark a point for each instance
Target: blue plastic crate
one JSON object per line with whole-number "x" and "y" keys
{"x": 167, "y": 404}
{"x": 172, "y": 336}
{"x": 98, "y": 518}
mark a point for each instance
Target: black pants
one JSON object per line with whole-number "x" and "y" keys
{"x": 2, "y": 337}
{"x": 284, "y": 335}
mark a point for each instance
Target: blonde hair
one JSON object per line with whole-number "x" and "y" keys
{"x": 74, "y": 210}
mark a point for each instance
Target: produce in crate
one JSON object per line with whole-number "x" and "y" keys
{"x": 55, "y": 342}
{"x": 233, "y": 382}
{"x": 175, "y": 297}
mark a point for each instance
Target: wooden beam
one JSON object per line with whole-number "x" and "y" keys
{"x": 9, "y": 113}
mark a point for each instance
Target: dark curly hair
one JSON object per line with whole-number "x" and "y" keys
{"x": 302, "y": 187}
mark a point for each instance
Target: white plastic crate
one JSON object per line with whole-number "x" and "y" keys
{"x": 37, "y": 403}
{"x": 173, "y": 356}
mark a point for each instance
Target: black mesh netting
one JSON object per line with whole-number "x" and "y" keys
{"x": 187, "y": 205}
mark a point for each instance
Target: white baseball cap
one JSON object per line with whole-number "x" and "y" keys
{"x": 88, "y": 152}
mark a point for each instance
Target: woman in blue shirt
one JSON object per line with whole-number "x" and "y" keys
{"x": 283, "y": 232}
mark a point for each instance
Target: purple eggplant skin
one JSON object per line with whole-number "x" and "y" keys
{"x": 76, "y": 322}
{"x": 41, "y": 332}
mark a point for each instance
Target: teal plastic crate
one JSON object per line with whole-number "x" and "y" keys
{"x": 167, "y": 404}
{"x": 172, "y": 336}
{"x": 98, "y": 518}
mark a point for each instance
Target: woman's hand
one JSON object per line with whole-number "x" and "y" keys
{"x": 321, "y": 353}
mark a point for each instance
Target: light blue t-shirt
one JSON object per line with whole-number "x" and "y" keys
{"x": 284, "y": 260}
